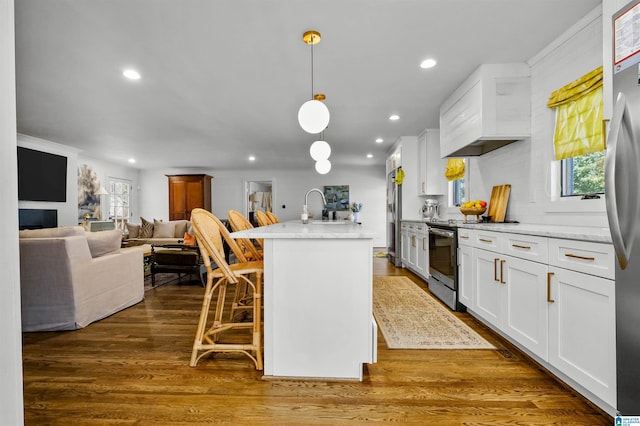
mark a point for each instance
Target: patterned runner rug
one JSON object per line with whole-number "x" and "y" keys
{"x": 410, "y": 318}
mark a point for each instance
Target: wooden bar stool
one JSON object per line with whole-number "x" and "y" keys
{"x": 272, "y": 217}
{"x": 262, "y": 218}
{"x": 240, "y": 223}
{"x": 208, "y": 233}
{"x": 242, "y": 299}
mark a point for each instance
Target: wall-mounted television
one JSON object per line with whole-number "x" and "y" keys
{"x": 42, "y": 176}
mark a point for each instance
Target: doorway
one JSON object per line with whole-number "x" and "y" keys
{"x": 259, "y": 195}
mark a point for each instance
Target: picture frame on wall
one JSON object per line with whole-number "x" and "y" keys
{"x": 337, "y": 197}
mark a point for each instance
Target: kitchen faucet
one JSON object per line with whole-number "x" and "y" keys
{"x": 306, "y": 196}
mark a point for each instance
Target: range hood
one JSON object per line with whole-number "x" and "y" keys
{"x": 482, "y": 146}
{"x": 490, "y": 109}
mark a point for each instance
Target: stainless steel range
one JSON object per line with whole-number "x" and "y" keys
{"x": 443, "y": 262}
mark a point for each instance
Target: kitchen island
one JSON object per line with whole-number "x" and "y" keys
{"x": 318, "y": 289}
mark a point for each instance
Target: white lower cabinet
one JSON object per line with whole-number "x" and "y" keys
{"x": 404, "y": 243}
{"x": 415, "y": 248}
{"x": 525, "y": 318}
{"x": 510, "y": 295}
{"x": 465, "y": 275}
{"x": 566, "y": 318}
{"x": 582, "y": 330}
{"x": 489, "y": 294}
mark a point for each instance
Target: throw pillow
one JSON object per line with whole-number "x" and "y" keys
{"x": 104, "y": 242}
{"x": 163, "y": 229}
{"x": 189, "y": 239}
{"x": 134, "y": 229}
{"x": 146, "y": 229}
{"x": 181, "y": 228}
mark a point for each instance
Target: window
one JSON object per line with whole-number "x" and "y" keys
{"x": 582, "y": 175}
{"x": 120, "y": 201}
{"x": 457, "y": 192}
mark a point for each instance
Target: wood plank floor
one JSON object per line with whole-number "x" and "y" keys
{"x": 132, "y": 368}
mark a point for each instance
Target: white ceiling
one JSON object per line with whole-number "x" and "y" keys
{"x": 222, "y": 80}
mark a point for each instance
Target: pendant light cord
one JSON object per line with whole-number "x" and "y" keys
{"x": 312, "y": 42}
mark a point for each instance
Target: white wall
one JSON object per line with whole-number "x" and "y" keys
{"x": 11, "y": 405}
{"x": 525, "y": 164}
{"x": 367, "y": 185}
{"x": 67, "y": 211}
{"x": 106, "y": 170}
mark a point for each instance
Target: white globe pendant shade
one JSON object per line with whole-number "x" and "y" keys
{"x": 323, "y": 167}
{"x": 313, "y": 116}
{"x": 320, "y": 150}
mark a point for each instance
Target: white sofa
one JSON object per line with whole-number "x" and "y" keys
{"x": 70, "y": 278}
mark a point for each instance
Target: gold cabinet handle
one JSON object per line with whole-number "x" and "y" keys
{"x": 464, "y": 237}
{"x": 413, "y": 241}
{"x": 522, "y": 247}
{"x": 549, "y": 299}
{"x": 484, "y": 240}
{"x": 495, "y": 269}
{"x": 575, "y": 256}
{"x": 502, "y": 281}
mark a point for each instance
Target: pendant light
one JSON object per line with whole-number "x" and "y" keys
{"x": 323, "y": 167}
{"x": 313, "y": 115}
{"x": 320, "y": 150}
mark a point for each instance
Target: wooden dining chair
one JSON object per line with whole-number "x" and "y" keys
{"x": 207, "y": 340}
{"x": 272, "y": 217}
{"x": 262, "y": 218}
{"x": 240, "y": 223}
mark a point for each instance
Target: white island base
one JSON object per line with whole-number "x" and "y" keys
{"x": 318, "y": 289}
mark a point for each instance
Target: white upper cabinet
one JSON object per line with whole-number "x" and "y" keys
{"x": 490, "y": 109}
{"x": 431, "y": 167}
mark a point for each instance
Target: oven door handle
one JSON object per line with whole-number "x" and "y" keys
{"x": 441, "y": 232}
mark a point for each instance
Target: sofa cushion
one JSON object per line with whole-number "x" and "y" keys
{"x": 62, "y": 231}
{"x": 134, "y": 229}
{"x": 163, "y": 229}
{"x": 181, "y": 227}
{"x": 146, "y": 229}
{"x": 103, "y": 242}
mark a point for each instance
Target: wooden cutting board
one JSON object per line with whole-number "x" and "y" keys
{"x": 498, "y": 202}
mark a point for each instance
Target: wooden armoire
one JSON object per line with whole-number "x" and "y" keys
{"x": 187, "y": 192}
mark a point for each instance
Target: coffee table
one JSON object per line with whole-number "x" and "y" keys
{"x": 176, "y": 258}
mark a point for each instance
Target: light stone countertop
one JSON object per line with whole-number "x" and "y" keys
{"x": 312, "y": 230}
{"x": 580, "y": 233}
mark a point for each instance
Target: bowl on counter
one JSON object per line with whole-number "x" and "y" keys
{"x": 473, "y": 212}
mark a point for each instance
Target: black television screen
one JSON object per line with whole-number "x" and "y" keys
{"x": 42, "y": 176}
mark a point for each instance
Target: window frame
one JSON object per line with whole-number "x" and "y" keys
{"x": 114, "y": 196}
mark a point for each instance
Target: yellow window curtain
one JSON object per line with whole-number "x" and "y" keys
{"x": 455, "y": 169}
{"x": 579, "y": 113}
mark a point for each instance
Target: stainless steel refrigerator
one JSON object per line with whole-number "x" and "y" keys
{"x": 622, "y": 188}
{"x": 394, "y": 214}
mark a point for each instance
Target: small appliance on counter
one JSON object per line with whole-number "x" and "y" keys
{"x": 430, "y": 209}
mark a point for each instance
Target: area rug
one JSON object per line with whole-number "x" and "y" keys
{"x": 410, "y": 318}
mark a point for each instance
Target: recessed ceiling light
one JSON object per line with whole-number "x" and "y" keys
{"x": 369, "y": 155}
{"x": 394, "y": 117}
{"x": 131, "y": 160}
{"x": 428, "y": 63}
{"x": 131, "y": 74}
{"x": 379, "y": 140}
{"x": 252, "y": 158}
